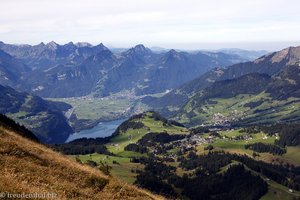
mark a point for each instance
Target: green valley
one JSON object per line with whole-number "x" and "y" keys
{"x": 87, "y": 111}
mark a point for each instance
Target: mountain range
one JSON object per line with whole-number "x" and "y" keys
{"x": 53, "y": 70}
{"x": 190, "y": 81}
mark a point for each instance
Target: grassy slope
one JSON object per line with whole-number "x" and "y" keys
{"x": 122, "y": 170}
{"x": 291, "y": 156}
{"x": 30, "y": 167}
{"x": 280, "y": 109}
{"x": 122, "y": 140}
{"x": 238, "y": 145}
{"x": 279, "y": 192}
{"x": 233, "y": 146}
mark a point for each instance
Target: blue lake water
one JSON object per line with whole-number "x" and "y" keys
{"x": 103, "y": 129}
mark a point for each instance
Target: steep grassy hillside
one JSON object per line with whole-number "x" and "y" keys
{"x": 30, "y": 167}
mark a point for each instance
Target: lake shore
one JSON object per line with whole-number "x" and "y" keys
{"x": 102, "y": 129}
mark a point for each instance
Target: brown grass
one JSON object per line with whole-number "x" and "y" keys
{"x": 32, "y": 168}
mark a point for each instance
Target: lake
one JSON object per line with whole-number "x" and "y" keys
{"x": 103, "y": 129}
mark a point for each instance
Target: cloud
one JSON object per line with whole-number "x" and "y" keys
{"x": 154, "y": 22}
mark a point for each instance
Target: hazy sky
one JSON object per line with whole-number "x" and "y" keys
{"x": 186, "y": 24}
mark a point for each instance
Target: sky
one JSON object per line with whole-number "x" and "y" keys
{"x": 181, "y": 24}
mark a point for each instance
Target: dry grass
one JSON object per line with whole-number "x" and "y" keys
{"x": 32, "y": 168}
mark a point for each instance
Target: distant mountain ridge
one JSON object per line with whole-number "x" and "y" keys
{"x": 249, "y": 54}
{"x": 270, "y": 64}
{"x": 80, "y": 69}
{"x": 45, "y": 55}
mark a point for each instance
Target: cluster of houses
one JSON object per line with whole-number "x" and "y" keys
{"x": 219, "y": 119}
{"x": 193, "y": 141}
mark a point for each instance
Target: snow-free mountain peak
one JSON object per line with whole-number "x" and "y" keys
{"x": 83, "y": 44}
{"x": 139, "y": 49}
{"x": 52, "y": 45}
